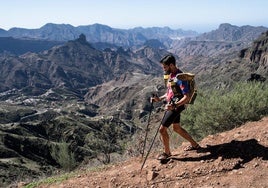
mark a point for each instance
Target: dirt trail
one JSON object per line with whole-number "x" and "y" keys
{"x": 236, "y": 158}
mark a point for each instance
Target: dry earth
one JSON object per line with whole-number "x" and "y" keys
{"x": 236, "y": 158}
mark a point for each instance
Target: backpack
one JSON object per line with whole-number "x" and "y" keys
{"x": 189, "y": 77}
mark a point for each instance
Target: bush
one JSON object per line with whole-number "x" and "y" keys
{"x": 63, "y": 156}
{"x": 218, "y": 111}
{"x": 106, "y": 141}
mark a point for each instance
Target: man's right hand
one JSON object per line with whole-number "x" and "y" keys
{"x": 155, "y": 99}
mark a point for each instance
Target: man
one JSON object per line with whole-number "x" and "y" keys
{"x": 176, "y": 97}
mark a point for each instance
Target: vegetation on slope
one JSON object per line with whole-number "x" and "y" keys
{"x": 220, "y": 110}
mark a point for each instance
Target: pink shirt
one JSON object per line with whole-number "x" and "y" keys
{"x": 182, "y": 84}
{"x": 170, "y": 93}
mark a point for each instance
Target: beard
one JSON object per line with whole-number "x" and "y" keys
{"x": 167, "y": 72}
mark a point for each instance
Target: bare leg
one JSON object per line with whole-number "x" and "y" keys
{"x": 165, "y": 138}
{"x": 183, "y": 133}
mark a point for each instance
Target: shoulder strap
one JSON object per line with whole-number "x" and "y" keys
{"x": 185, "y": 76}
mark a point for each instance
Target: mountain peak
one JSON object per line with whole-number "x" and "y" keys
{"x": 226, "y": 25}
{"x": 82, "y": 39}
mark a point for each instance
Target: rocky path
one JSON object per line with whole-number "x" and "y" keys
{"x": 237, "y": 158}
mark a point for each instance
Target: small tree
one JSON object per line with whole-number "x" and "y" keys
{"x": 106, "y": 141}
{"x": 63, "y": 156}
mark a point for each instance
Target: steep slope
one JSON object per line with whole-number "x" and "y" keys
{"x": 74, "y": 66}
{"x": 257, "y": 54}
{"x": 236, "y": 158}
{"x": 228, "y": 32}
{"x": 250, "y": 61}
{"x": 70, "y": 66}
{"x": 215, "y": 47}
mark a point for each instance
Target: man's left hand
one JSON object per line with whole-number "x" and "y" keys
{"x": 169, "y": 107}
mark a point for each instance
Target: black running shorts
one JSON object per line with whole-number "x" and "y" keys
{"x": 171, "y": 116}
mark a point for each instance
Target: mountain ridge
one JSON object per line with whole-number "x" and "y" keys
{"x": 96, "y": 33}
{"x": 101, "y": 36}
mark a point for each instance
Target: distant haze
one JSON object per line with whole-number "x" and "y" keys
{"x": 198, "y": 15}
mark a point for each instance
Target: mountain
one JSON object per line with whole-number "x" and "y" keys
{"x": 97, "y": 75}
{"x": 98, "y": 33}
{"x": 52, "y": 68}
{"x": 214, "y": 48}
{"x": 21, "y": 46}
{"x": 76, "y": 65}
{"x": 54, "y": 32}
{"x": 228, "y": 32}
{"x": 3, "y": 32}
{"x": 184, "y": 43}
{"x": 220, "y": 42}
{"x": 86, "y": 73}
{"x": 249, "y": 61}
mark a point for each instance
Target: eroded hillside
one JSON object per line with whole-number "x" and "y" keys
{"x": 236, "y": 158}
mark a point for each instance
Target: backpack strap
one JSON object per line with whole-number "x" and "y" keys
{"x": 185, "y": 76}
{"x": 175, "y": 88}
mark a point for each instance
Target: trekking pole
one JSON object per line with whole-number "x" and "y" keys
{"x": 147, "y": 127}
{"x": 152, "y": 142}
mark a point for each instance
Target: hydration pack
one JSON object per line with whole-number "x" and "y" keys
{"x": 189, "y": 77}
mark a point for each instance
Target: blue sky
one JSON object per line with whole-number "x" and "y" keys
{"x": 198, "y": 15}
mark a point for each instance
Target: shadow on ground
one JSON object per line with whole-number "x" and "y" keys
{"x": 245, "y": 150}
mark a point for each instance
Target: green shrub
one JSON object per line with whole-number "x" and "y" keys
{"x": 63, "y": 156}
{"x": 217, "y": 111}
{"x": 106, "y": 141}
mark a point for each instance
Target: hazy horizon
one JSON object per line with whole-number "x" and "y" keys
{"x": 196, "y": 15}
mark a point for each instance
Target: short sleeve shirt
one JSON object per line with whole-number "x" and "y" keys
{"x": 182, "y": 84}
